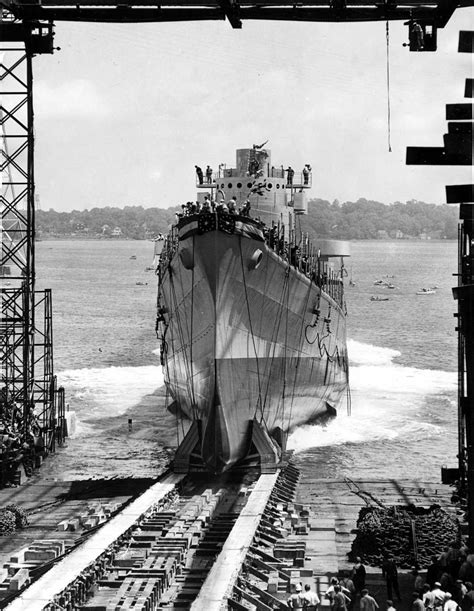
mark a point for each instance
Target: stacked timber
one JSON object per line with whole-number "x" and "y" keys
{"x": 412, "y": 535}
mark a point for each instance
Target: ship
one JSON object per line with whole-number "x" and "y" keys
{"x": 251, "y": 316}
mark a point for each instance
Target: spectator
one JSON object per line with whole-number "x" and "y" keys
{"x": 340, "y": 600}
{"x": 434, "y": 571}
{"x": 417, "y": 604}
{"x": 439, "y": 596}
{"x": 346, "y": 582}
{"x": 296, "y": 600}
{"x": 428, "y": 598}
{"x": 449, "y": 603}
{"x": 367, "y": 602}
{"x": 358, "y": 575}
{"x": 467, "y": 603}
{"x": 311, "y": 599}
{"x": 390, "y": 572}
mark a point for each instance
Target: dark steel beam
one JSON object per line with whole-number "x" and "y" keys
{"x": 456, "y": 194}
{"x": 141, "y": 15}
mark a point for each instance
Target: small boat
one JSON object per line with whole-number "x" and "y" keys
{"x": 391, "y": 286}
{"x": 426, "y": 292}
{"x": 379, "y": 283}
{"x": 133, "y": 257}
{"x": 149, "y": 268}
{"x": 140, "y": 283}
{"x": 377, "y": 298}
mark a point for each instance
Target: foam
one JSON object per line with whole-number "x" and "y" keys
{"x": 99, "y": 393}
{"x": 388, "y": 401}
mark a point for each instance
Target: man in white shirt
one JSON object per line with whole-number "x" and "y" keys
{"x": 311, "y": 599}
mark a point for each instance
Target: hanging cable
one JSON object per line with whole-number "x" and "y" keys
{"x": 274, "y": 337}
{"x": 387, "y": 36}
{"x": 259, "y": 401}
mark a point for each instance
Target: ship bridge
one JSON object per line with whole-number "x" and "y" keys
{"x": 231, "y": 178}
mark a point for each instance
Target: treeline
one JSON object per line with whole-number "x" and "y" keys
{"x": 363, "y": 219}
{"x": 366, "y": 219}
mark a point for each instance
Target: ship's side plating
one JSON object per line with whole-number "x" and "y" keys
{"x": 246, "y": 336}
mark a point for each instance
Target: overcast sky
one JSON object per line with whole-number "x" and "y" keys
{"x": 124, "y": 112}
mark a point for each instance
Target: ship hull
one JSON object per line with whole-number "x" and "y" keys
{"x": 247, "y": 337}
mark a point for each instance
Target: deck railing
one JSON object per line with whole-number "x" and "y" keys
{"x": 294, "y": 247}
{"x": 225, "y": 179}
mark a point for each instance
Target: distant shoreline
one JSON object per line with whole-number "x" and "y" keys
{"x": 106, "y": 239}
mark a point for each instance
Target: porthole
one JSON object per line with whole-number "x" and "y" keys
{"x": 249, "y": 185}
{"x": 229, "y": 186}
{"x": 239, "y": 185}
{"x": 222, "y": 185}
{"x": 269, "y": 185}
{"x": 278, "y": 186}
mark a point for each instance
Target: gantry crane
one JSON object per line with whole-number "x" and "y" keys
{"x": 26, "y": 30}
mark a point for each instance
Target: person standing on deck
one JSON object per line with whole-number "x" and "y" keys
{"x": 199, "y": 174}
{"x": 289, "y": 174}
{"x": 208, "y": 174}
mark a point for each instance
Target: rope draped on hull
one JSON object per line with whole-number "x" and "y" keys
{"x": 247, "y": 345}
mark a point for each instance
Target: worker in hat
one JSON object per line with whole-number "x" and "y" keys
{"x": 296, "y": 600}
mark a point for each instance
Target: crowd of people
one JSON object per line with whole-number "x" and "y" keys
{"x": 446, "y": 585}
{"x": 209, "y": 206}
{"x": 16, "y": 447}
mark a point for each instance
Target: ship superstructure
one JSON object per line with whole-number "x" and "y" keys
{"x": 251, "y": 316}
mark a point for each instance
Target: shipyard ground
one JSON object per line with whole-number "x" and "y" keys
{"x": 69, "y": 511}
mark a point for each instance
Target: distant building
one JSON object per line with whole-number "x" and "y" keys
{"x": 116, "y": 232}
{"x": 382, "y": 234}
{"x": 398, "y": 234}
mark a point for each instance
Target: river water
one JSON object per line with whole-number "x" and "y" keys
{"x": 402, "y": 364}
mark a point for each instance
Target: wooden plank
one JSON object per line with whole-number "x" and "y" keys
{"x": 62, "y": 574}
{"x": 469, "y": 88}
{"x": 456, "y": 194}
{"x": 459, "y": 112}
{"x": 224, "y": 572}
{"x": 466, "y": 41}
{"x": 261, "y": 606}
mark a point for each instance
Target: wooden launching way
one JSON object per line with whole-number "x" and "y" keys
{"x": 200, "y": 543}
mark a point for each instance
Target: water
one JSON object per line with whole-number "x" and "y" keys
{"x": 402, "y": 352}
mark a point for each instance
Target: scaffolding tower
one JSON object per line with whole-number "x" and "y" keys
{"x": 31, "y": 405}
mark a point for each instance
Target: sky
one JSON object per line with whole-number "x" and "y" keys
{"x": 123, "y": 112}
